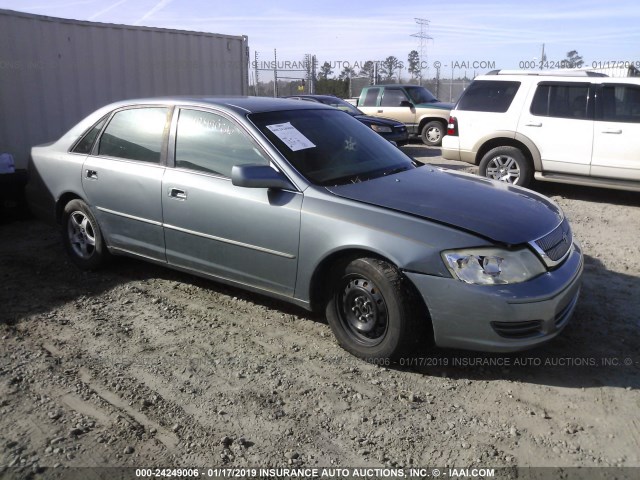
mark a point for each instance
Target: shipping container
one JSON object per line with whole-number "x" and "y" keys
{"x": 54, "y": 71}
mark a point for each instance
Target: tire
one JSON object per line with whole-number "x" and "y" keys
{"x": 507, "y": 164}
{"x": 373, "y": 311}
{"x": 82, "y": 237}
{"x": 432, "y": 133}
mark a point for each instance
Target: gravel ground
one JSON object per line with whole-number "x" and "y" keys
{"x": 141, "y": 366}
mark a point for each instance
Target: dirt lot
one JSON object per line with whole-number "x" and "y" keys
{"x": 137, "y": 365}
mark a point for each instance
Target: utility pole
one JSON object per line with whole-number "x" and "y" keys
{"x": 424, "y": 37}
{"x": 275, "y": 73}
{"x": 543, "y": 57}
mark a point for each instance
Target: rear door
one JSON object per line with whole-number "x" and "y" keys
{"x": 123, "y": 177}
{"x": 246, "y": 235}
{"x": 391, "y": 107}
{"x": 616, "y": 141}
{"x": 560, "y": 123}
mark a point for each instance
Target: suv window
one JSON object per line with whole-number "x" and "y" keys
{"x": 392, "y": 97}
{"x": 488, "y": 96}
{"x": 371, "y": 98}
{"x": 563, "y": 100}
{"x": 620, "y": 103}
{"x": 211, "y": 143}
{"x": 86, "y": 142}
{"x": 135, "y": 134}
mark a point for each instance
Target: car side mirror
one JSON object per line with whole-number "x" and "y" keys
{"x": 259, "y": 176}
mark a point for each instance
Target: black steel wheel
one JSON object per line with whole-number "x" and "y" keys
{"x": 373, "y": 311}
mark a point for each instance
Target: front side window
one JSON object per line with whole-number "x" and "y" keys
{"x": 620, "y": 103}
{"x": 568, "y": 100}
{"x": 421, "y": 95}
{"x": 207, "y": 142}
{"x": 393, "y": 97}
{"x": 135, "y": 134}
{"x": 488, "y": 96}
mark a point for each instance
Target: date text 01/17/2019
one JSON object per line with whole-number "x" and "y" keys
{"x": 568, "y": 65}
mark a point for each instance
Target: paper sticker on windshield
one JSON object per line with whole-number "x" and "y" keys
{"x": 291, "y": 136}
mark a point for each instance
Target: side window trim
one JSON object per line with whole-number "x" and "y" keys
{"x": 165, "y": 134}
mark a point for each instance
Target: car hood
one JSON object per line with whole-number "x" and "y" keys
{"x": 491, "y": 209}
{"x": 439, "y": 105}
{"x": 378, "y": 120}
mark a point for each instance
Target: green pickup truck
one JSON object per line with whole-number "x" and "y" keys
{"x": 413, "y": 105}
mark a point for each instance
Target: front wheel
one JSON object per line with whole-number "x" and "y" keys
{"x": 373, "y": 311}
{"x": 432, "y": 133}
{"x": 82, "y": 237}
{"x": 507, "y": 164}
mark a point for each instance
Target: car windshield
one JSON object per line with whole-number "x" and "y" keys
{"x": 421, "y": 95}
{"x": 330, "y": 148}
{"x": 341, "y": 104}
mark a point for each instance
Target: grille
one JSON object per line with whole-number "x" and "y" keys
{"x": 557, "y": 243}
{"x": 530, "y": 328}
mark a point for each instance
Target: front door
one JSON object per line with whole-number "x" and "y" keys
{"x": 246, "y": 235}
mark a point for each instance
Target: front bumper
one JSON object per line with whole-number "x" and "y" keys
{"x": 502, "y": 318}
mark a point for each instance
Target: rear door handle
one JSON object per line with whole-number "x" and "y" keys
{"x": 533, "y": 124}
{"x": 380, "y": 111}
{"x": 177, "y": 193}
{"x": 92, "y": 174}
{"x": 615, "y": 132}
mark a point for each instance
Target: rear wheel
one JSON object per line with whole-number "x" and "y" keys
{"x": 82, "y": 237}
{"x": 432, "y": 133}
{"x": 373, "y": 311}
{"x": 507, "y": 164}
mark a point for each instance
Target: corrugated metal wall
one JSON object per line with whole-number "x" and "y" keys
{"x": 53, "y": 71}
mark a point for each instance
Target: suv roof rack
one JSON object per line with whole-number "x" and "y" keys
{"x": 558, "y": 73}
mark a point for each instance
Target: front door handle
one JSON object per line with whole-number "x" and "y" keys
{"x": 177, "y": 193}
{"x": 615, "y": 132}
{"x": 533, "y": 124}
{"x": 92, "y": 174}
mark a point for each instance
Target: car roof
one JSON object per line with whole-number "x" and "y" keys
{"x": 239, "y": 105}
{"x": 314, "y": 96}
{"x": 558, "y": 76}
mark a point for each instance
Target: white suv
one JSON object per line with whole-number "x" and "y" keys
{"x": 577, "y": 127}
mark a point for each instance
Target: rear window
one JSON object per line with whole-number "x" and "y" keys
{"x": 488, "y": 96}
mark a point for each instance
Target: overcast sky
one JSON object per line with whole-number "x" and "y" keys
{"x": 468, "y": 34}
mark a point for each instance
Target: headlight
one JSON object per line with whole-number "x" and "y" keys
{"x": 381, "y": 129}
{"x": 493, "y": 266}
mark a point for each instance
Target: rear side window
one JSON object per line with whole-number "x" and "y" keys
{"x": 488, "y": 96}
{"x": 620, "y": 103}
{"x": 86, "y": 142}
{"x": 568, "y": 100}
{"x": 135, "y": 134}
{"x": 371, "y": 98}
{"x": 393, "y": 97}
